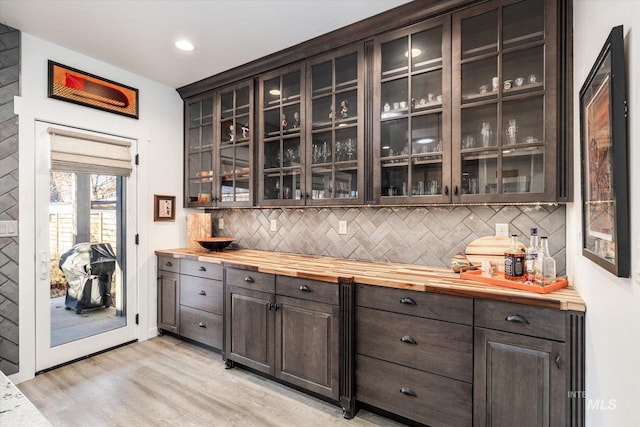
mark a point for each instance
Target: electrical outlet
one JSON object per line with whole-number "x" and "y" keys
{"x": 502, "y": 230}
{"x": 221, "y": 223}
{"x": 274, "y": 225}
{"x": 342, "y": 227}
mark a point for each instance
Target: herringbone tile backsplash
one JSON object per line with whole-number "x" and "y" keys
{"x": 413, "y": 235}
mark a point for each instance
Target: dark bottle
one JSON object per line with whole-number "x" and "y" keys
{"x": 514, "y": 260}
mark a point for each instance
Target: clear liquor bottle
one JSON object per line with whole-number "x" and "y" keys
{"x": 532, "y": 253}
{"x": 546, "y": 271}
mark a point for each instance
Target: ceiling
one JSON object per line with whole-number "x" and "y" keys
{"x": 139, "y": 35}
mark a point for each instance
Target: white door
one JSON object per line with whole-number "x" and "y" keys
{"x": 87, "y": 302}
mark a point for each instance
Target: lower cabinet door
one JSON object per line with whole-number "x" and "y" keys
{"x": 307, "y": 340}
{"x": 168, "y": 301}
{"x": 249, "y": 324}
{"x": 420, "y": 396}
{"x": 518, "y": 380}
{"x": 201, "y": 326}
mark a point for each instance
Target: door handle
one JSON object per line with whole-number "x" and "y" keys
{"x": 408, "y": 301}
{"x": 202, "y": 292}
{"x": 248, "y": 279}
{"x": 305, "y": 288}
{"x": 408, "y": 392}
{"x": 407, "y": 339}
{"x": 44, "y": 265}
{"x": 202, "y": 268}
{"x": 516, "y": 318}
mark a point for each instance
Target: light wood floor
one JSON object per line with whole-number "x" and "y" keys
{"x": 165, "y": 381}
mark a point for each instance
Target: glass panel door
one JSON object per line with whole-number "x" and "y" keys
{"x": 414, "y": 151}
{"x": 501, "y": 100}
{"x": 282, "y": 138}
{"x": 234, "y": 145}
{"x": 200, "y": 189}
{"x": 85, "y": 278}
{"x": 336, "y": 137}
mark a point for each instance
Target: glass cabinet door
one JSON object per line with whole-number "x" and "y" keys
{"x": 412, "y": 147}
{"x": 336, "y": 139}
{"x": 502, "y": 132}
{"x": 281, "y": 137}
{"x": 199, "y": 153}
{"x": 234, "y": 145}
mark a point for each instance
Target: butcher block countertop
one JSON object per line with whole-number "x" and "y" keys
{"x": 402, "y": 276}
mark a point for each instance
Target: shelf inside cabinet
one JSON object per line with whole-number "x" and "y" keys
{"x": 538, "y": 35}
{"x": 392, "y": 114}
{"x": 479, "y": 49}
{"x": 396, "y": 71}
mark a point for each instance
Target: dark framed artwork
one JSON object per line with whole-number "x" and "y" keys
{"x": 72, "y": 85}
{"x": 603, "y": 149}
{"x": 164, "y": 208}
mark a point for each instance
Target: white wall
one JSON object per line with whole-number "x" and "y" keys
{"x": 159, "y": 135}
{"x": 613, "y": 305}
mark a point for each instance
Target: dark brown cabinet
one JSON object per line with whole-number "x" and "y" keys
{"x": 424, "y": 344}
{"x": 412, "y": 145}
{"x": 190, "y": 300}
{"x": 505, "y": 99}
{"x": 168, "y": 294}
{"x": 219, "y": 148}
{"x": 284, "y": 327}
{"x": 462, "y": 106}
{"x": 523, "y": 369}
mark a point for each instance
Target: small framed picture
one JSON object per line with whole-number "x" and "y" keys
{"x": 164, "y": 208}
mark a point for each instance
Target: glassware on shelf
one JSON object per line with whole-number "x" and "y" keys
{"x": 486, "y": 134}
{"x": 512, "y": 132}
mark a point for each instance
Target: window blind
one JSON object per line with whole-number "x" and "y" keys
{"x": 91, "y": 154}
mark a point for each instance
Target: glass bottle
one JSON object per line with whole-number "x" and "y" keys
{"x": 514, "y": 260}
{"x": 546, "y": 269}
{"x": 532, "y": 255}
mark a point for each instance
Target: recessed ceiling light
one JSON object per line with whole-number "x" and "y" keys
{"x": 414, "y": 52}
{"x": 274, "y": 92}
{"x": 184, "y": 45}
{"x": 425, "y": 141}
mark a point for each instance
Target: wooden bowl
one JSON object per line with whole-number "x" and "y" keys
{"x": 215, "y": 244}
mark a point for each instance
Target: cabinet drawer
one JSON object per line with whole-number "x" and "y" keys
{"x": 251, "y": 280}
{"x": 167, "y": 263}
{"x": 423, "y": 304}
{"x": 521, "y": 319}
{"x": 312, "y": 290}
{"x": 201, "y": 269}
{"x": 203, "y": 294}
{"x": 420, "y": 396}
{"x": 201, "y": 326}
{"x": 430, "y": 345}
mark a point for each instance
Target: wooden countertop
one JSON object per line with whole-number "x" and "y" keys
{"x": 402, "y": 276}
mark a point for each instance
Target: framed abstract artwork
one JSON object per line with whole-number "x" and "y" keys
{"x": 72, "y": 85}
{"x": 603, "y": 149}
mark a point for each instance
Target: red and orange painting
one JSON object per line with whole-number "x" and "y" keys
{"x": 69, "y": 84}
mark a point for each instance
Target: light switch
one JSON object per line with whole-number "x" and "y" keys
{"x": 8, "y": 228}
{"x": 221, "y": 223}
{"x": 274, "y": 225}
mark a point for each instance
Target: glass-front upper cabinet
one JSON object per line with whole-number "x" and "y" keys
{"x": 198, "y": 157}
{"x": 281, "y": 137}
{"x": 335, "y": 146}
{"x": 234, "y": 148}
{"x": 412, "y": 147}
{"x": 504, "y": 99}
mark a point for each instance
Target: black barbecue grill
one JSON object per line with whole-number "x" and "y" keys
{"x": 88, "y": 268}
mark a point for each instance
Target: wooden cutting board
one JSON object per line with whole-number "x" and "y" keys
{"x": 199, "y": 225}
{"x": 489, "y": 248}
